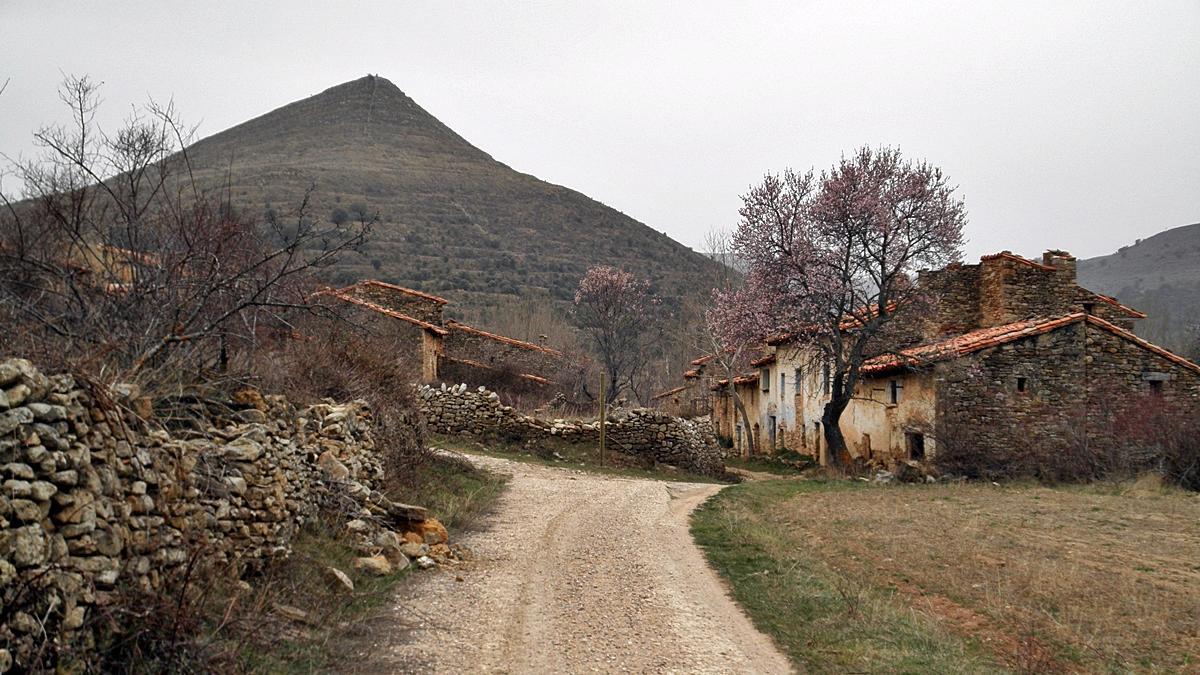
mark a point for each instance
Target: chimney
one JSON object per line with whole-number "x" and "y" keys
{"x": 1063, "y": 262}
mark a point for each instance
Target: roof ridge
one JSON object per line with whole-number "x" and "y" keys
{"x": 1143, "y": 343}
{"x": 451, "y": 323}
{"x": 346, "y": 297}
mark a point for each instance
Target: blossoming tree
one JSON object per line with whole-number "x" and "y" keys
{"x": 831, "y": 258}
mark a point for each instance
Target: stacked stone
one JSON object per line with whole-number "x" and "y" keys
{"x": 90, "y": 500}
{"x": 687, "y": 444}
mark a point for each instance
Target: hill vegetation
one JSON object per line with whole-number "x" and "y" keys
{"x": 1159, "y": 275}
{"x": 451, "y": 219}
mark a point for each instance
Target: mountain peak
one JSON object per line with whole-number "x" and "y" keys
{"x": 367, "y": 116}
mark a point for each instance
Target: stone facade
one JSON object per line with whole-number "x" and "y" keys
{"x": 442, "y": 346}
{"x": 1015, "y": 352}
{"x": 649, "y": 434}
{"x": 93, "y": 501}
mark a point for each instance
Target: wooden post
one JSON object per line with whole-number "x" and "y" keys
{"x": 603, "y": 417}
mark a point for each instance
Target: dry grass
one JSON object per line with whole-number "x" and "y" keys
{"x": 1086, "y": 578}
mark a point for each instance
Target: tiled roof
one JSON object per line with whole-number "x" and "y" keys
{"x": 400, "y": 289}
{"x": 691, "y": 374}
{"x": 763, "y": 360}
{"x": 1009, "y": 255}
{"x": 1124, "y": 308}
{"x": 747, "y": 378}
{"x": 340, "y": 294}
{"x": 703, "y": 359}
{"x": 984, "y": 338}
{"x": 669, "y": 392}
{"x": 454, "y": 325}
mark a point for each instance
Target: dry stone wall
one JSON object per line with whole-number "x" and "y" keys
{"x": 91, "y": 503}
{"x": 650, "y": 434}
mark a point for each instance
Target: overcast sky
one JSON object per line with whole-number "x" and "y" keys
{"x": 1065, "y": 124}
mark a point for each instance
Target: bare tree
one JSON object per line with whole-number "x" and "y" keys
{"x": 725, "y": 338}
{"x": 618, "y": 313}
{"x": 113, "y": 253}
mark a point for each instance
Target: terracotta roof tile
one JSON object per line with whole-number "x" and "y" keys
{"x": 1124, "y": 308}
{"x": 703, "y": 359}
{"x": 984, "y": 338}
{"x": 763, "y": 360}
{"x": 692, "y": 374}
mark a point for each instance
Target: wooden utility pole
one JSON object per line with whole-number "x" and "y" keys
{"x": 603, "y": 417}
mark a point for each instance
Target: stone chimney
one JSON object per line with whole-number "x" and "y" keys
{"x": 1063, "y": 262}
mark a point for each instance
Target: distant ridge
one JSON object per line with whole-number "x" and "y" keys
{"x": 1159, "y": 275}
{"x": 452, "y": 219}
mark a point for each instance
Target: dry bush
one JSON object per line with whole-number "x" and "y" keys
{"x": 334, "y": 359}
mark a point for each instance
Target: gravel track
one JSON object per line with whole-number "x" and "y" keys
{"x": 575, "y": 572}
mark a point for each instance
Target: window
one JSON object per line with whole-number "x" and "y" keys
{"x": 764, "y": 377}
{"x": 782, "y": 384}
{"x": 916, "y": 445}
{"x": 1156, "y": 387}
{"x": 1022, "y": 384}
{"x": 825, "y": 378}
{"x": 798, "y": 375}
{"x": 894, "y": 389}
{"x": 1089, "y": 307}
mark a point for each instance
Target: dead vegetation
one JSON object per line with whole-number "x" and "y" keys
{"x": 1053, "y": 579}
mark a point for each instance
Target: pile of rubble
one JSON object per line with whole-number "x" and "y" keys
{"x": 688, "y": 444}
{"x": 93, "y": 498}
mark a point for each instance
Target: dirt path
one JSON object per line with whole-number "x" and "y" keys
{"x": 577, "y": 572}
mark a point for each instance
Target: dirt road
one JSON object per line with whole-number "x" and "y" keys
{"x": 577, "y": 572}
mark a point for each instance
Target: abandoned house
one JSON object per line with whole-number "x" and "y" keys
{"x": 1015, "y": 349}
{"x": 445, "y": 349}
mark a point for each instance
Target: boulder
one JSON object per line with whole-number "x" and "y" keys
{"x": 376, "y": 565}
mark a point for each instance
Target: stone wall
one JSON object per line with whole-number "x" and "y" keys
{"x": 93, "y": 501}
{"x": 649, "y": 434}
{"x": 1052, "y": 390}
{"x": 498, "y": 351}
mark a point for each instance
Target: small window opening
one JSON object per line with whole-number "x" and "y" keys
{"x": 894, "y": 389}
{"x": 1089, "y": 307}
{"x": 782, "y": 384}
{"x": 1021, "y": 384}
{"x": 798, "y": 374}
{"x": 916, "y": 445}
{"x": 765, "y": 378}
{"x": 1156, "y": 387}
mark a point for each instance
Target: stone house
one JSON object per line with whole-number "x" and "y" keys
{"x": 445, "y": 348}
{"x": 1013, "y": 349}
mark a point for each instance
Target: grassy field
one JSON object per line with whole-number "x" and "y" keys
{"x": 582, "y": 456}
{"x": 964, "y": 578}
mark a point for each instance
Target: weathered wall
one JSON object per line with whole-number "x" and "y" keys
{"x": 686, "y": 444}
{"x": 498, "y": 351}
{"x": 1075, "y": 377}
{"x": 91, "y": 502}
{"x": 418, "y": 305}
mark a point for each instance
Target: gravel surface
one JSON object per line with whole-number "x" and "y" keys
{"x": 575, "y": 572}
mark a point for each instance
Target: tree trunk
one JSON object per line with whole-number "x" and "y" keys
{"x": 835, "y": 442}
{"x": 741, "y": 408}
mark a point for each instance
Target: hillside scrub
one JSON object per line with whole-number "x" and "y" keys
{"x": 964, "y": 577}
